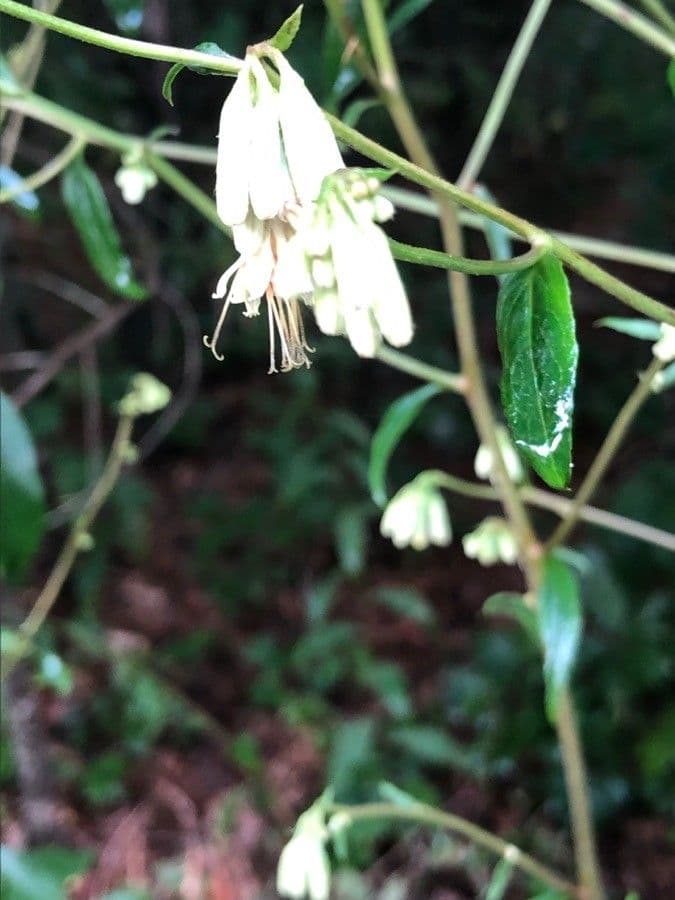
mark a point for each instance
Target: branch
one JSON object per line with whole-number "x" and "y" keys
{"x": 633, "y": 21}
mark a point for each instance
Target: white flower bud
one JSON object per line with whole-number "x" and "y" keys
{"x": 483, "y": 464}
{"x": 492, "y": 542}
{"x": 134, "y": 181}
{"x": 417, "y": 516}
{"x": 664, "y": 348}
{"x": 147, "y": 395}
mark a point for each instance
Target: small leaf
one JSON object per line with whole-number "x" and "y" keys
{"x": 285, "y": 36}
{"x": 514, "y": 607}
{"x": 21, "y": 494}
{"x": 429, "y": 745}
{"x": 537, "y": 342}
{"x": 405, "y": 12}
{"x": 205, "y": 47}
{"x": 559, "y": 616}
{"x": 26, "y": 201}
{"x": 644, "y": 329}
{"x": 89, "y": 211}
{"x": 357, "y": 108}
{"x": 406, "y": 602}
{"x": 395, "y": 422}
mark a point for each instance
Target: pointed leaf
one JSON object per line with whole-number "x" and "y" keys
{"x": 405, "y": 12}
{"x": 175, "y": 70}
{"x": 537, "y": 342}
{"x": 395, "y": 422}
{"x": 89, "y": 211}
{"x": 514, "y": 607}
{"x": 285, "y": 36}
{"x": 22, "y": 506}
{"x": 643, "y": 329}
{"x": 559, "y": 617}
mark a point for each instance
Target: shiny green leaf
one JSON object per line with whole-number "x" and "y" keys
{"x": 285, "y": 36}
{"x": 89, "y": 211}
{"x": 205, "y": 47}
{"x": 22, "y": 506}
{"x": 537, "y": 342}
{"x": 560, "y": 621}
{"x": 395, "y": 422}
{"x": 643, "y": 329}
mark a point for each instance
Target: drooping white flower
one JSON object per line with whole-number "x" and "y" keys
{"x": 664, "y": 348}
{"x": 357, "y": 288}
{"x": 303, "y": 869}
{"x": 271, "y": 266}
{"x": 274, "y": 144}
{"x": 484, "y": 462}
{"x": 492, "y": 542}
{"x": 417, "y": 516}
{"x": 135, "y": 177}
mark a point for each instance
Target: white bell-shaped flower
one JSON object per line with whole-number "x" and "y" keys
{"x": 303, "y": 870}
{"x": 484, "y": 462}
{"x": 492, "y": 542}
{"x": 274, "y": 144}
{"x": 357, "y": 288}
{"x": 417, "y": 516}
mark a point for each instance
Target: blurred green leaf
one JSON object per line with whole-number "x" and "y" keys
{"x": 22, "y": 506}
{"x": 175, "y": 70}
{"x": 352, "y": 752}
{"x": 353, "y": 112}
{"x": 513, "y": 606}
{"x": 429, "y": 745}
{"x": 39, "y": 874}
{"x": 406, "y": 602}
{"x": 559, "y": 615}
{"x": 285, "y": 36}
{"x": 102, "y": 780}
{"x": 129, "y": 893}
{"x": 405, "y": 12}
{"x": 501, "y": 878}
{"x": 537, "y": 342}
{"x": 53, "y": 673}
{"x": 351, "y": 539}
{"x": 396, "y": 421}
{"x": 89, "y": 211}
{"x": 644, "y": 329}
{"x": 388, "y": 681}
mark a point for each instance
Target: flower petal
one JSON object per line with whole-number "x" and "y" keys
{"x": 270, "y": 184}
{"x": 232, "y": 165}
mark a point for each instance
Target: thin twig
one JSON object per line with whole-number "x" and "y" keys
{"x": 49, "y": 171}
{"x": 404, "y": 363}
{"x": 639, "y": 25}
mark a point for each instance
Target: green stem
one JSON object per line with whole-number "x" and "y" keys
{"x": 639, "y": 25}
{"x": 607, "y": 451}
{"x": 129, "y": 46}
{"x": 50, "y": 170}
{"x": 561, "y": 506}
{"x": 423, "y": 256}
{"x": 659, "y": 12}
{"x": 404, "y": 363}
{"x": 436, "y": 818}
{"x": 636, "y": 256}
{"x": 503, "y": 93}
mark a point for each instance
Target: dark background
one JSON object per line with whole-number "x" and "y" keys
{"x": 241, "y": 635}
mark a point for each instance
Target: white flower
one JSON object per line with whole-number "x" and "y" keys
{"x": 357, "y": 288}
{"x": 134, "y": 180}
{"x": 304, "y": 869}
{"x": 664, "y": 348}
{"x": 484, "y": 463}
{"x": 274, "y": 145}
{"x": 272, "y": 265}
{"x": 492, "y": 542}
{"x": 417, "y": 516}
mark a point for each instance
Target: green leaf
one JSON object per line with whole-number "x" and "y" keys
{"x": 39, "y": 874}
{"x": 429, "y": 745}
{"x": 644, "y": 329}
{"x": 513, "y": 606}
{"x": 405, "y": 12}
{"x": 395, "y": 422}
{"x": 351, "y": 539}
{"x": 285, "y": 36}
{"x": 357, "y": 108}
{"x": 559, "y": 617}
{"x": 406, "y": 602}
{"x": 205, "y": 47}
{"x": 22, "y": 505}
{"x": 89, "y": 211}
{"x": 501, "y": 878}
{"x": 671, "y": 75}
{"x": 537, "y": 342}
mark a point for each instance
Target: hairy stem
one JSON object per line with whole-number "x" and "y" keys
{"x": 503, "y": 93}
{"x": 607, "y": 451}
{"x": 436, "y": 818}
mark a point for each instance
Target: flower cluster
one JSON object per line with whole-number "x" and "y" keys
{"x": 306, "y": 229}
{"x": 417, "y": 516}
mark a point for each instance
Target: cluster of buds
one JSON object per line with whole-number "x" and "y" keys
{"x": 417, "y": 516}
{"x": 484, "y": 463}
{"x": 305, "y": 227}
{"x": 491, "y": 543}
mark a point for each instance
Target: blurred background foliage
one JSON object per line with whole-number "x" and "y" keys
{"x": 240, "y": 635}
